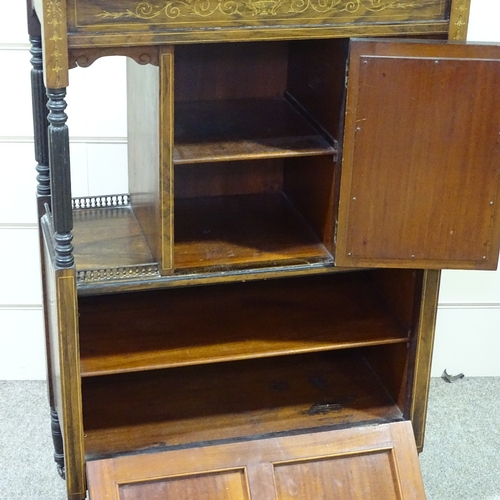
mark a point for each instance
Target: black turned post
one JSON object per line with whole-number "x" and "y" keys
{"x": 58, "y": 442}
{"x": 40, "y": 123}
{"x": 60, "y": 180}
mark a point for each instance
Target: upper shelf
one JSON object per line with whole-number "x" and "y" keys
{"x": 242, "y": 129}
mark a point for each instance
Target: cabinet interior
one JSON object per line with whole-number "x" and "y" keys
{"x": 251, "y": 100}
{"x": 197, "y": 364}
{"x": 232, "y": 401}
{"x": 232, "y": 160}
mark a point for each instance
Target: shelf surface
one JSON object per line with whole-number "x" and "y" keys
{"x": 189, "y": 326}
{"x": 242, "y": 230}
{"x": 130, "y": 412}
{"x": 108, "y": 238}
{"x": 210, "y": 131}
{"x": 214, "y": 233}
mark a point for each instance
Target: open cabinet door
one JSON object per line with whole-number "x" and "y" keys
{"x": 421, "y": 156}
{"x": 361, "y": 463}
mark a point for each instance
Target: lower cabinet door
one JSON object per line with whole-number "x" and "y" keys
{"x": 362, "y": 463}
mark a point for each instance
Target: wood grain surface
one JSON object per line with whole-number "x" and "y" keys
{"x": 241, "y": 230}
{"x": 363, "y": 463}
{"x": 420, "y": 176}
{"x": 233, "y": 400}
{"x": 190, "y": 326}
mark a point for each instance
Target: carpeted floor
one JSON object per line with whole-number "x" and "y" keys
{"x": 461, "y": 459}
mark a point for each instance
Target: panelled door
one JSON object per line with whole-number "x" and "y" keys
{"x": 421, "y": 157}
{"x": 362, "y": 463}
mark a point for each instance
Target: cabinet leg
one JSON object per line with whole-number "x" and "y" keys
{"x": 58, "y": 443}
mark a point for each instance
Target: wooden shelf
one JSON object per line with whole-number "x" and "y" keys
{"x": 108, "y": 237}
{"x": 189, "y": 326}
{"x": 242, "y": 230}
{"x": 213, "y": 234}
{"x": 231, "y": 401}
{"x": 238, "y": 129}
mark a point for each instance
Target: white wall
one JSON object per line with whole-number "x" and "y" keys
{"x": 98, "y": 156}
{"x": 468, "y": 322}
{"x": 468, "y": 329}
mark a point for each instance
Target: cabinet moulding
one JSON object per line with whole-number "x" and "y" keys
{"x": 118, "y": 273}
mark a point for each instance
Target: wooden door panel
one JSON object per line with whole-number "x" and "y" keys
{"x": 421, "y": 161}
{"x": 365, "y": 463}
{"x": 313, "y": 478}
{"x": 225, "y": 485}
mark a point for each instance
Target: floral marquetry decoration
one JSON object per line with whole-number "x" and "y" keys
{"x": 159, "y": 12}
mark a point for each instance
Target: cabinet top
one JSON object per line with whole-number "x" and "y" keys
{"x": 83, "y": 25}
{"x": 106, "y": 23}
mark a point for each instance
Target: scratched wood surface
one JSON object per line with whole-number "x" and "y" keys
{"x": 231, "y": 400}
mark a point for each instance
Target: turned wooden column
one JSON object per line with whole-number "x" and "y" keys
{"x": 40, "y": 123}
{"x": 60, "y": 179}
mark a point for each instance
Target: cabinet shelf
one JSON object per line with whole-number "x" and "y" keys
{"x": 240, "y": 230}
{"x": 196, "y": 325}
{"x": 231, "y": 401}
{"x": 242, "y": 129}
{"x": 108, "y": 237}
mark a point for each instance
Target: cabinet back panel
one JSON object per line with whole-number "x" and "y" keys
{"x": 399, "y": 289}
{"x": 230, "y": 71}
{"x": 228, "y": 178}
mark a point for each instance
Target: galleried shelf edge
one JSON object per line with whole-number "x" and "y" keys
{"x": 268, "y": 286}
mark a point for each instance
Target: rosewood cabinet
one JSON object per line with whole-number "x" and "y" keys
{"x": 255, "y": 317}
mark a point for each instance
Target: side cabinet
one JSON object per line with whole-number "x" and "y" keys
{"x": 254, "y": 318}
